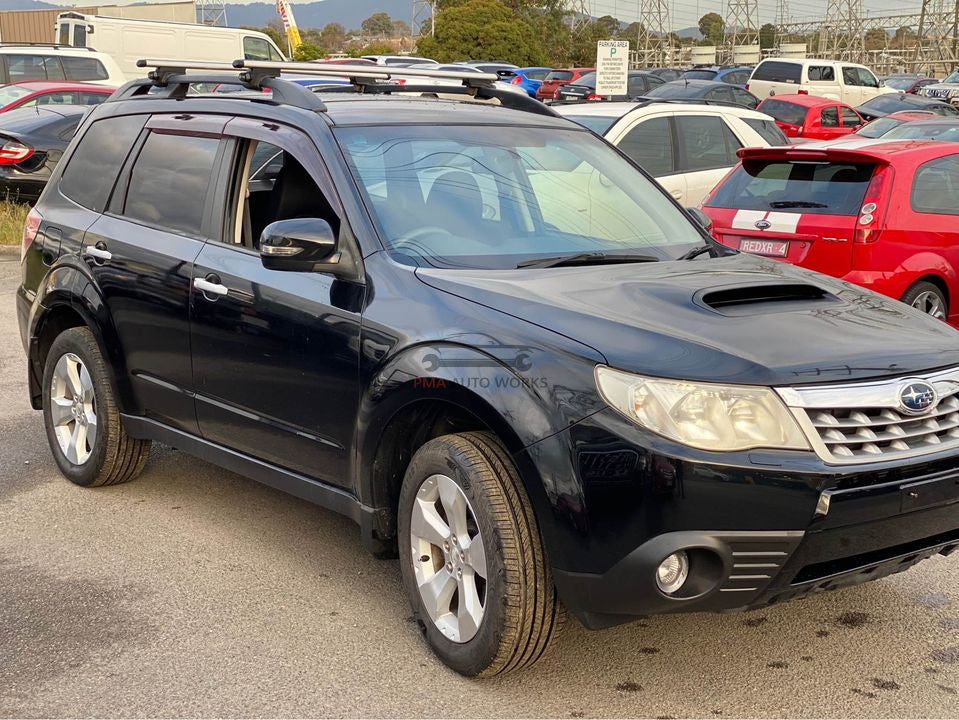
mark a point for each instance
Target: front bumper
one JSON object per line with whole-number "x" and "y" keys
{"x": 775, "y": 530}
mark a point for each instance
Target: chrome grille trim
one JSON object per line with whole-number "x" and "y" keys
{"x": 864, "y": 422}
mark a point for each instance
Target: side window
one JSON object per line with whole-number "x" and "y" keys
{"x": 64, "y": 36}
{"x": 850, "y": 76}
{"x": 721, "y": 94}
{"x": 867, "y": 79}
{"x": 849, "y": 117}
{"x": 707, "y": 142}
{"x": 92, "y": 169}
{"x": 26, "y": 67}
{"x": 274, "y": 55}
{"x": 273, "y": 185}
{"x": 84, "y": 68}
{"x": 829, "y": 117}
{"x": 636, "y": 85}
{"x": 255, "y": 48}
{"x": 57, "y": 98}
{"x": 650, "y": 145}
{"x": 79, "y": 35}
{"x": 935, "y": 186}
{"x": 821, "y": 73}
{"x": 92, "y": 98}
{"x": 170, "y": 180}
{"x": 745, "y": 98}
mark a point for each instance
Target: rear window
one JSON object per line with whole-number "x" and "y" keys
{"x": 597, "y": 123}
{"x": 536, "y": 74}
{"x": 784, "y": 111}
{"x": 922, "y": 131}
{"x": 83, "y": 68}
{"x": 878, "y": 128}
{"x": 768, "y": 131}
{"x": 699, "y": 74}
{"x": 93, "y": 167}
{"x": 888, "y": 103}
{"x": 675, "y": 89}
{"x": 935, "y": 186}
{"x": 589, "y": 80}
{"x": 560, "y": 75}
{"x": 778, "y": 71}
{"x": 811, "y": 188}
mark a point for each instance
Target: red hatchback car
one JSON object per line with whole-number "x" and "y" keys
{"x": 878, "y": 213}
{"x": 811, "y": 117}
{"x": 51, "y": 92}
{"x": 549, "y": 88}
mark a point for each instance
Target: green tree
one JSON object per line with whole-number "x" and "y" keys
{"x": 308, "y": 51}
{"x": 274, "y": 34}
{"x": 379, "y": 24}
{"x": 875, "y": 39}
{"x": 606, "y": 27}
{"x": 400, "y": 28}
{"x": 712, "y": 27}
{"x": 631, "y": 32}
{"x": 482, "y": 29}
{"x": 767, "y": 36}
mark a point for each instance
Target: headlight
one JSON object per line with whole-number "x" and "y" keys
{"x": 703, "y": 415}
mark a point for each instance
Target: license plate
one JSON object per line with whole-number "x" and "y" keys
{"x": 773, "y": 248}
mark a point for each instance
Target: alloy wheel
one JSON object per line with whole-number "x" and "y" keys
{"x": 931, "y": 304}
{"x": 73, "y": 409}
{"x": 449, "y": 558}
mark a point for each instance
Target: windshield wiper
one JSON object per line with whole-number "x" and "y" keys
{"x": 796, "y": 204}
{"x": 588, "y": 258}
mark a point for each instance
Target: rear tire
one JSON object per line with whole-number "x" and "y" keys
{"x": 467, "y": 484}
{"x": 81, "y": 416}
{"x": 928, "y": 298}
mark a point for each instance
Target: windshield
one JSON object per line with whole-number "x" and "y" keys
{"x": 899, "y": 83}
{"x": 830, "y": 188}
{"x": 954, "y": 78}
{"x": 12, "y": 93}
{"x": 493, "y": 197}
{"x": 597, "y": 123}
{"x": 921, "y": 131}
{"x": 878, "y": 128}
{"x": 675, "y": 89}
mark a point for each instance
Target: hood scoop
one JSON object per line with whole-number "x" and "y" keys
{"x": 764, "y": 298}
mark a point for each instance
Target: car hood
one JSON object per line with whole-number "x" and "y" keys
{"x": 738, "y": 319}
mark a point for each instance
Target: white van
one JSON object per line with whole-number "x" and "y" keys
{"x": 127, "y": 40}
{"x": 847, "y": 82}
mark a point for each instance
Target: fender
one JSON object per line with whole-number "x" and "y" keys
{"x": 69, "y": 284}
{"x": 523, "y": 405}
{"x": 927, "y": 263}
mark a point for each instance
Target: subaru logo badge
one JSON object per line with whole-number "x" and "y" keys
{"x": 763, "y": 224}
{"x": 917, "y": 397}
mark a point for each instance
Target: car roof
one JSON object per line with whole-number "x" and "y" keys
{"x": 811, "y": 61}
{"x": 620, "y": 109}
{"x": 573, "y": 69}
{"x": 348, "y": 109}
{"x": 699, "y": 83}
{"x": 47, "y": 50}
{"x": 934, "y": 121}
{"x": 533, "y": 67}
{"x": 44, "y": 85}
{"x": 808, "y": 101}
{"x": 916, "y": 115}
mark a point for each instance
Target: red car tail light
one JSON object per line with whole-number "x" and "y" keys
{"x": 30, "y": 230}
{"x": 12, "y": 152}
{"x": 517, "y": 79}
{"x": 874, "y": 204}
{"x": 802, "y": 92}
{"x": 594, "y": 96}
{"x": 747, "y": 87}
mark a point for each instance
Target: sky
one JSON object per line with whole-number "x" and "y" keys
{"x": 686, "y": 13}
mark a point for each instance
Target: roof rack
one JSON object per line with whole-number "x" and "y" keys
{"x": 170, "y": 78}
{"x": 642, "y": 101}
{"x": 52, "y": 46}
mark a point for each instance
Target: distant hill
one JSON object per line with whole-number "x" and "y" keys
{"x": 690, "y": 32}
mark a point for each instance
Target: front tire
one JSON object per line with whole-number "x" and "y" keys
{"x": 81, "y": 416}
{"x": 472, "y": 559}
{"x": 928, "y": 298}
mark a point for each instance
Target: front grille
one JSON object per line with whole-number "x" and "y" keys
{"x": 866, "y": 422}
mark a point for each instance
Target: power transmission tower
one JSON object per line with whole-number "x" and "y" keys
{"x": 210, "y": 12}
{"x": 843, "y": 34}
{"x": 423, "y": 19}
{"x": 782, "y": 19}
{"x": 936, "y": 41}
{"x": 654, "y": 46}
{"x": 742, "y": 24}
{"x": 580, "y": 15}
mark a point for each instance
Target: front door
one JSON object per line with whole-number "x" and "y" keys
{"x": 275, "y": 354}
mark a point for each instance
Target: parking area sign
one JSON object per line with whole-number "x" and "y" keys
{"x": 612, "y": 66}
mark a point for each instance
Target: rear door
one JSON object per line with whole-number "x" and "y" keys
{"x": 829, "y": 126}
{"x": 849, "y": 119}
{"x": 707, "y": 149}
{"x": 802, "y": 212}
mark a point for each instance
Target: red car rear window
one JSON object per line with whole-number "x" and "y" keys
{"x": 559, "y": 75}
{"x": 784, "y": 112}
{"x": 815, "y": 188}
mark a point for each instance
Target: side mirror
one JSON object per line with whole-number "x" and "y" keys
{"x": 300, "y": 245}
{"x": 700, "y": 218}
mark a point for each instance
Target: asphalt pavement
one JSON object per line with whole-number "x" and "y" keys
{"x": 196, "y": 592}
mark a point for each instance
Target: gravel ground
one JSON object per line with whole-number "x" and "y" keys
{"x": 196, "y": 592}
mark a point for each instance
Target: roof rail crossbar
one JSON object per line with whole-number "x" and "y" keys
{"x": 507, "y": 98}
{"x": 369, "y": 72}
{"x": 175, "y": 81}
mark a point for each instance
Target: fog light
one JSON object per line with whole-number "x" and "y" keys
{"x": 672, "y": 572}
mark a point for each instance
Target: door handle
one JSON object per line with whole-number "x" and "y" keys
{"x": 98, "y": 252}
{"x": 210, "y": 285}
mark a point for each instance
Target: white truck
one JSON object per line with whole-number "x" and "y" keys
{"x": 127, "y": 40}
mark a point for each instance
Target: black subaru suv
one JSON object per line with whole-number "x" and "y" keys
{"x": 492, "y": 341}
